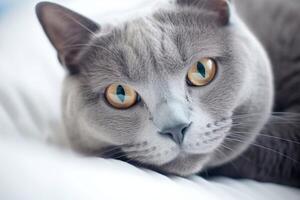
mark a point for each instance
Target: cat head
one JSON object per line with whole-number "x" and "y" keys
{"x": 165, "y": 90}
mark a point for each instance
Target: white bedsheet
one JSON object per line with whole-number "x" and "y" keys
{"x": 30, "y": 83}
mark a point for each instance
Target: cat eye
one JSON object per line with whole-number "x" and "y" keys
{"x": 121, "y": 96}
{"x": 202, "y": 72}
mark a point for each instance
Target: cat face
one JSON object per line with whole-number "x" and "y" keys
{"x": 163, "y": 90}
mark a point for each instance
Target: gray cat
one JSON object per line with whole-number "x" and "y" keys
{"x": 185, "y": 88}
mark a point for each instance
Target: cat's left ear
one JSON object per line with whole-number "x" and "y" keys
{"x": 68, "y": 31}
{"x": 221, "y": 7}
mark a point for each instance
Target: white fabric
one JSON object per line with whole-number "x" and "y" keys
{"x": 30, "y": 84}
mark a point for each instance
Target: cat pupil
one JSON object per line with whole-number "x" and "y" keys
{"x": 201, "y": 69}
{"x": 120, "y": 93}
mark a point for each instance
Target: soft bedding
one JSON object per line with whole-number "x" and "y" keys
{"x": 32, "y": 167}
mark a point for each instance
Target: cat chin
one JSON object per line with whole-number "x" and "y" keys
{"x": 185, "y": 165}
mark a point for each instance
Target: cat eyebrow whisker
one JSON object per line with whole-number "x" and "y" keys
{"x": 80, "y": 24}
{"x": 114, "y": 54}
{"x": 91, "y": 45}
{"x": 75, "y": 45}
{"x": 203, "y": 4}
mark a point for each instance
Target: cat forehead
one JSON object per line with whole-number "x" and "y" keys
{"x": 159, "y": 44}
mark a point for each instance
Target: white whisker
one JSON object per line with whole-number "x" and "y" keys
{"x": 266, "y": 148}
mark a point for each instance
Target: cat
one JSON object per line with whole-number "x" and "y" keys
{"x": 185, "y": 88}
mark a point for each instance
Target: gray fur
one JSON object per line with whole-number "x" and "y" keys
{"x": 153, "y": 54}
{"x": 275, "y": 154}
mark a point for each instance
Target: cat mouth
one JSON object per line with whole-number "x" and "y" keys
{"x": 183, "y": 160}
{"x": 185, "y": 164}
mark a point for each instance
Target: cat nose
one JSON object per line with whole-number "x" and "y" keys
{"x": 177, "y": 132}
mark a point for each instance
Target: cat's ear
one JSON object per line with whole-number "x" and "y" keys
{"x": 221, "y": 7}
{"x": 67, "y": 30}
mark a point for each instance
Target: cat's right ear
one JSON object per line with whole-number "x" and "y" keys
{"x": 220, "y": 7}
{"x": 67, "y": 30}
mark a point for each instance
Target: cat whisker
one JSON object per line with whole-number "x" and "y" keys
{"x": 138, "y": 163}
{"x": 269, "y": 136}
{"x": 224, "y": 155}
{"x": 242, "y": 156}
{"x": 111, "y": 154}
{"x": 136, "y": 159}
{"x": 282, "y": 115}
{"x": 248, "y": 115}
{"x": 226, "y": 147}
{"x": 119, "y": 157}
{"x": 286, "y": 113}
{"x": 128, "y": 156}
{"x": 270, "y": 122}
{"x": 110, "y": 150}
{"x": 139, "y": 151}
{"x": 266, "y": 148}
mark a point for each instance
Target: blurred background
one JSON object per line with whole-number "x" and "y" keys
{"x": 5, "y": 5}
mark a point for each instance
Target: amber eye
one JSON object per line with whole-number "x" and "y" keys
{"x": 121, "y": 96}
{"x": 202, "y": 72}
